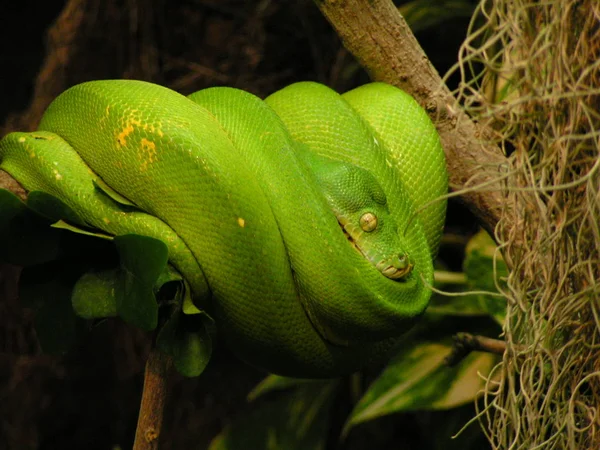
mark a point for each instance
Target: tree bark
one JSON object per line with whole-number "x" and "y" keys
{"x": 154, "y": 394}
{"x": 380, "y": 39}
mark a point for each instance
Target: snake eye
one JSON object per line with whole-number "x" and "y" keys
{"x": 368, "y": 222}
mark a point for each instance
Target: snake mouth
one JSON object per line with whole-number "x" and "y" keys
{"x": 351, "y": 240}
{"x": 394, "y": 273}
{"x": 395, "y": 268}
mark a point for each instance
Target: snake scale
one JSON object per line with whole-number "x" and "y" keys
{"x": 305, "y": 223}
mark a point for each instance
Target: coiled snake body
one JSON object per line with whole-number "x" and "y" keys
{"x": 296, "y": 220}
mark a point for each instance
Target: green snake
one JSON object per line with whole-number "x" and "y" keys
{"x": 306, "y": 223}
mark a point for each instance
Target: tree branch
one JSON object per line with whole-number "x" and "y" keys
{"x": 379, "y": 38}
{"x": 154, "y": 394}
{"x": 465, "y": 343}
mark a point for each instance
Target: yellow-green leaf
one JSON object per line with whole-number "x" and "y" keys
{"x": 485, "y": 268}
{"x": 417, "y": 378}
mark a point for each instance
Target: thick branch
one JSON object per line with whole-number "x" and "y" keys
{"x": 8, "y": 182}
{"x": 378, "y": 36}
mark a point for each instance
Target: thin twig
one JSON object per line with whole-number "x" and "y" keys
{"x": 465, "y": 343}
{"x": 154, "y": 394}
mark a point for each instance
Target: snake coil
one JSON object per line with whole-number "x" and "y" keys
{"x": 293, "y": 218}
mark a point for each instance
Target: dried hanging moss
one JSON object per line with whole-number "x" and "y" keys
{"x": 533, "y": 71}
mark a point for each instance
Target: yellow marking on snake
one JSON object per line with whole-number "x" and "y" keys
{"x": 241, "y": 222}
{"x": 265, "y": 134}
{"x": 121, "y": 137}
{"x": 154, "y": 129}
{"x": 147, "y": 153}
{"x": 131, "y": 120}
{"x": 106, "y": 116}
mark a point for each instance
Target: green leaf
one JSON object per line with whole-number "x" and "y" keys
{"x": 93, "y": 295}
{"x": 142, "y": 260}
{"x": 479, "y": 268}
{"x": 188, "y": 306}
{"x": 101, "y": 186}
{"x": 183, "y": 294}
{"x": 295, "y": 420}
{"x": 189, "y": 340}
{"x": 188, "y": 333}
{"x": 28, "y": 238}
{"x": 273, "y": 383}
{"x": 417, "y": 378}
{"x": 47, "y": 289}
{"x": 170, "y": 275}
{"x": 53, "y": 208}
{"x": 62, "y": 225}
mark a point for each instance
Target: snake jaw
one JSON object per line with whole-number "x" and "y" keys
{"x": 398, "y": 269}
{"x": 395, "y": 267}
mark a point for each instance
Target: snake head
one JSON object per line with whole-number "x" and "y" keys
{"x": 360, "y": 206}
{"x": 373, "y": 232}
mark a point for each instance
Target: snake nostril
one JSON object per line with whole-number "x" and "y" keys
{"x": 402, "y": 261}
